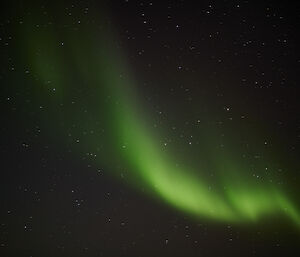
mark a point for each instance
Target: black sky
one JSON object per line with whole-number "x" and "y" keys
{"x": 208, "y": 60}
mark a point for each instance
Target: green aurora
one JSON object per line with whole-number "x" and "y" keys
{"x": 91, "y": 80}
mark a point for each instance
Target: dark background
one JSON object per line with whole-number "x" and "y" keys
{"x": 246, "y": 55}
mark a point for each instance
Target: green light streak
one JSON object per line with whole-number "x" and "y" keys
{"x": 180, "y": 188}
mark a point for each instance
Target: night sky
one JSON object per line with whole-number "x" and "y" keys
{"x": 149, "y": 128}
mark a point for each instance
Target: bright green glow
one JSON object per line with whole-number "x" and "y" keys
{"x": 182, "y": 189}
{"x": 130, "y": 140}
{"x": 177, "y": 186}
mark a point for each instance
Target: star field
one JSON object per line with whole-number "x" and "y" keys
{"x": 149, "y": 128}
